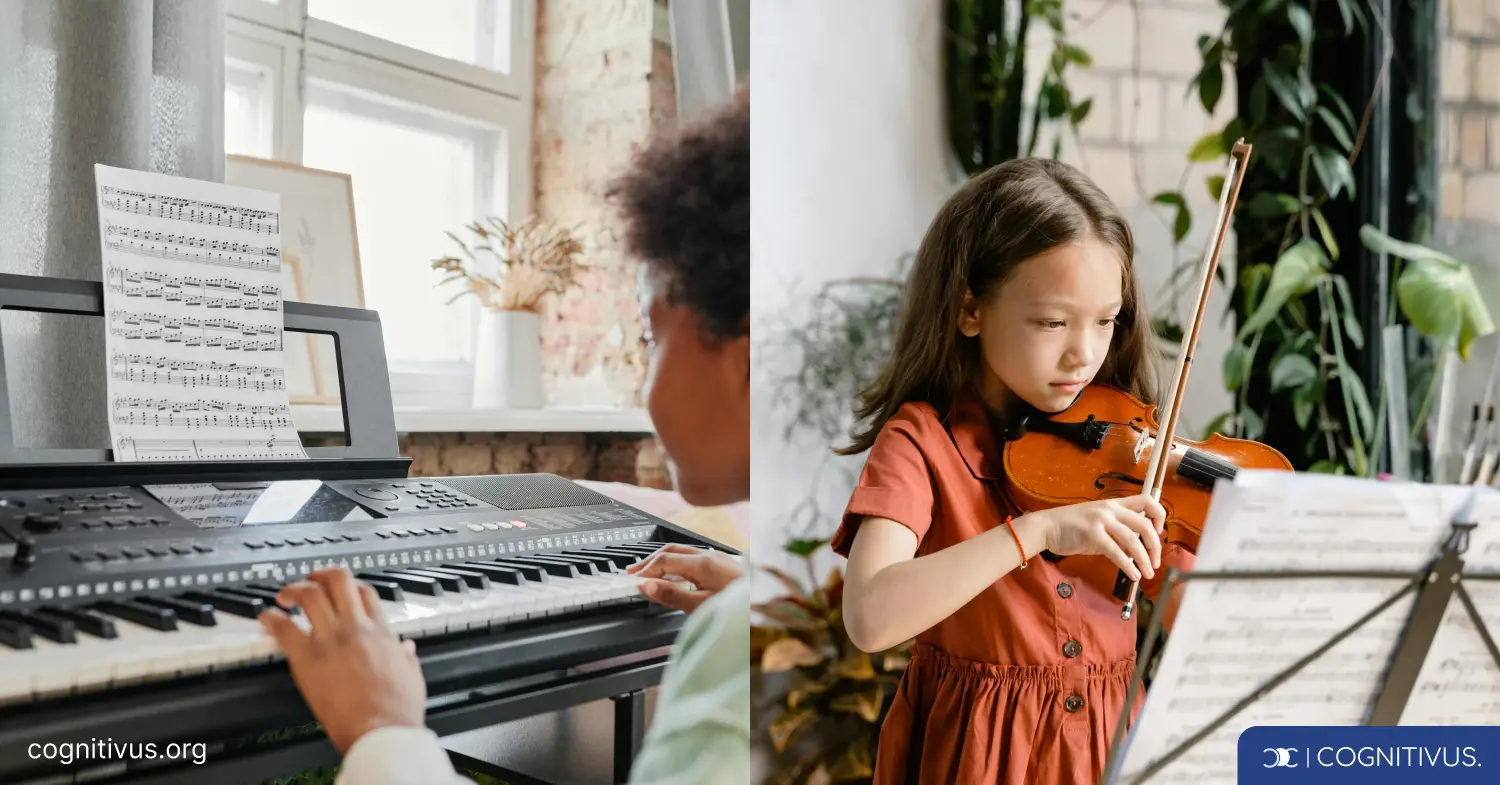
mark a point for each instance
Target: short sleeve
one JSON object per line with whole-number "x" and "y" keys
{"x": 896, "y": 482}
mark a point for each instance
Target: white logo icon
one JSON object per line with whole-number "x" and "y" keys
{"x": 1283, "y": 757}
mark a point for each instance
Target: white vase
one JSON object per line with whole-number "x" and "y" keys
{"x": 508, "y": 361}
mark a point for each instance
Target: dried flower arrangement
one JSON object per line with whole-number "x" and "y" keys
{"x": 524, "y": 263}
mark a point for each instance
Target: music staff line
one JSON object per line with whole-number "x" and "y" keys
{"x": 194, "y": 380}
{"x": 166, "y": 252}
{"x": 172, "y": 420}
{"x": 131, "y": 448}
{"x": 168, "y": 405}
{"x": 120, "y": 361}
{"x": 191, "y": 211}
{"x": 188, "y": 322}
{"x": 118, "y": 277}
{"x": 218, "y": 342}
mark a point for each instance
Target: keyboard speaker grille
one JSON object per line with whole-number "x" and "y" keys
{"x": 526, "y": 491}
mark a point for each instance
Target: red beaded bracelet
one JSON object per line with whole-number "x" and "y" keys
{"x": 1017, "y": 537}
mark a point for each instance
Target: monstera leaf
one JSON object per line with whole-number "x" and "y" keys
{"x": 1436, "y": 292}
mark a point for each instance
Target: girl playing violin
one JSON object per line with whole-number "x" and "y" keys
{"x": 1024, "y": 292}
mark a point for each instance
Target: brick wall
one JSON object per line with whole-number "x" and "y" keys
{"x": 1134, "y": 144}
{"x": 1470, "y": 115}
{"x": 603, "y": 85}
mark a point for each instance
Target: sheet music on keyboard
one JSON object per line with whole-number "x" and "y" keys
{"x": 1231, "y": 636}
{"x": 193, "y": 316}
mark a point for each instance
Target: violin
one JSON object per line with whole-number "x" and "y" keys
{"x": 1109, "y": 444}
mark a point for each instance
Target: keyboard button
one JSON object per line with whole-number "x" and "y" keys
{"x": 202, "y": 548}
{"x": 183, "y": 550}
{"x": 157, "y": 550}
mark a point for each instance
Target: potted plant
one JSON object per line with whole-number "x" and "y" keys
{"x": 510, "y": 269}
{"x": 827, "y": 721}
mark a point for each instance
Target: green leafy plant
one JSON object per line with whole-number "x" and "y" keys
{"x": 985, "y": 71}
{"x": 829, "y": 719}
{"x": 1297, "y": 321}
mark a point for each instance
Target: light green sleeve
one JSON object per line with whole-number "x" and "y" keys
{"x": 700, "y": 731}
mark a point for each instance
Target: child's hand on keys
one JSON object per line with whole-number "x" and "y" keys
{"x": 707, "y": 572}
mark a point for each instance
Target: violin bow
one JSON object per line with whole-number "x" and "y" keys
{"x": 1156, "y": 470}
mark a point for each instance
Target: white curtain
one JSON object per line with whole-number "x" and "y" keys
{"x": 137, "y": 84}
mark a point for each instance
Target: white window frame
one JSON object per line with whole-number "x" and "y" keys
{"x": 310, "y": 56}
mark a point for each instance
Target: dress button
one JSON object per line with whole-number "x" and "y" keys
{"x": 1065, "y": 590}
{"x": 1072, "y": 649}
{"x": 1073, "y": 703}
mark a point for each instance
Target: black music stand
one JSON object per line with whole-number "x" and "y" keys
{"x": 1434, "y": 585}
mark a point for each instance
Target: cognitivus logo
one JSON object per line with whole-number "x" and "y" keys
{"x": 1282, "y": 757}
{"x": 1363, "y": 755}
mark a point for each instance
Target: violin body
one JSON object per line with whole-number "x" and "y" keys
{"x": 1099, "y": 448}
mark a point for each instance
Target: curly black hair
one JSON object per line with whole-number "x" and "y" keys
{"x": 686, "y": 203}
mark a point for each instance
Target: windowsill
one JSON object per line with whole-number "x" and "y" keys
{"x": 412, "y": 419}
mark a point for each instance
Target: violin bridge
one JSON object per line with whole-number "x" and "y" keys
{"x": 1142, "y": 443}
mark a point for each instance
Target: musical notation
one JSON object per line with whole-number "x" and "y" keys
{"x": 174, "y": 420}
{"x": 175, "y": 330}
{"x": 1233, "y": 636}
{"x": 191, "y": 210}
{"x": 191, "y": 323}
{"x": 188, "y": 449}
{"x": 192, "y": 249}
{"x": 118, "y": 278}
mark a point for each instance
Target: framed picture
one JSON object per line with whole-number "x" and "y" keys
{"x": 320, "y": 259}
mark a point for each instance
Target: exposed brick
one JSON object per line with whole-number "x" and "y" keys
{"x": 1454, "y": 77}
{"x": 1103, "y": 121}
{"x": 1170, "y": 45}
{"x": 1111, "y": 169}
{"x": 1482, "y": 197}
{"x": 1466, "y": 17}
{"x": 426, "y": 456}
{"x": 1451, "y": 197}
{"x": 512, "y": 454}
{"x": 1141, "y": 110}
{"x": 468, "y": 457}
{"x": 1448, "y": 121}
{"x": 1487, "y": 74}
{"x": 1471, "y": 132}
{"x": 651, "y": 466}
{"x": 1103, "y": 28}
{"x": 564, "y": 454}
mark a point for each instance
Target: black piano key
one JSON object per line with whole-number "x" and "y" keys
{"x": 643, "y": 548}
{"x": 91, "y": 623}
{"x": 390, "y": 592}
{"x": 15, "y": 634}
{"x": 163, "y": 619}
{"x": 417, "y": 584}
{"x": 585, "y": 567}
{"x": 621, "y": 560}
{"x": 475, "y": 580}
{"x": 530, "y": 572}
{"x": 556, "y": 569}
{"x": 193, "y": 611}
{"x": 602, "y": 564}
{"x": 248, "y": 607}
{"x": 53, "y": 628}
{"x": 451, "y": 583}
{"x": 495, "y": 572}
{"x": 268, "y": 596}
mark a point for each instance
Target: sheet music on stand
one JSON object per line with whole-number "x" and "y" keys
{"x": 193, "y": 315}
{"x": 1299, "y": 611}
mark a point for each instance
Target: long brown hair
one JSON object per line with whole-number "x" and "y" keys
{"x": 1001, "y": 217}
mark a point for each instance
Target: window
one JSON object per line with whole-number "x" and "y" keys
{"x": 427, "y": 106}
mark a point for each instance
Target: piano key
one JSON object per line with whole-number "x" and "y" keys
{"x": 643, "y": 548}
{"x": 194, "y": 611}
{"x": 450, "y": 583}
{"x": 474, "y": 580}
{"x": 495, "y": 572}
{"x": 416, "y": 584}
{"x": 91, "y": 623}
{"x": 585, "y": 566}
{"x": 51, "y": 627}
{"x": 620, "y": 559}
{"x": 156, "y": 618}
{"x": 15, "y": 635}
{"x": 554, "y": 568}
{"x": 602, "y": 563}
{"x": 530, "y": 572}
{"x": 390, "y": 592}
{"x": 264, "y": 595}
{"x": 248, "y": 607}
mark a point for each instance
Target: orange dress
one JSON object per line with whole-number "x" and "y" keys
{"x": 1025, "y": 683}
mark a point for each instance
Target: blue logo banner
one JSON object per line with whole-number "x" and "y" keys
{"x": 1287, "y": 755}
